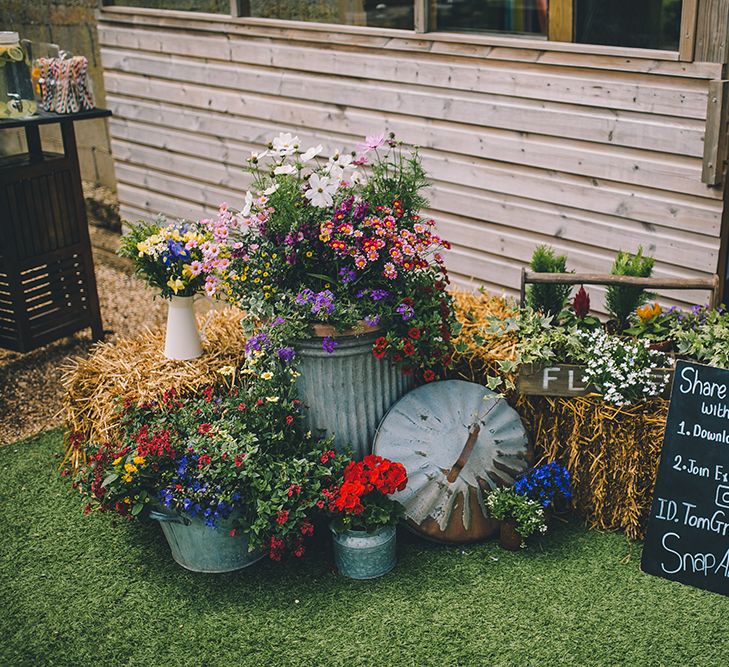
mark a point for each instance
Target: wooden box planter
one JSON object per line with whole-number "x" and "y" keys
{"x": 565, "y": 380}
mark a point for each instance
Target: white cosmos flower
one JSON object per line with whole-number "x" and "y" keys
{"x": 342, "y": 160}
{"x": 285, "y": 144}
{"x": 311, "y": 153}
{"x": 257, "y": 157}
{"x": 247, "y": 202}
{"x": 269, "y": 191}
{"x": 321, "y": 189}
{"x": 285, "y": 169}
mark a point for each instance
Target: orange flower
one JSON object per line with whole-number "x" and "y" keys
{"x": 648, "y": 312}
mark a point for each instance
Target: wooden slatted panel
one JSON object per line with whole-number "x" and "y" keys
{"x": 591, "y": 153}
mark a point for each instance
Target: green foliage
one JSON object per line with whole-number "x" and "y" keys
{"x": 623, "y": 300}
{"x": 548, "y": 299}
{"x": 704, "y": 336}
{"x": 507, "y": 505}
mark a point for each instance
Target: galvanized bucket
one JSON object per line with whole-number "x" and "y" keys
{"x": 346, "y": 393}
{"x": 362, "y": 555}
{"x": 200, "y": 548}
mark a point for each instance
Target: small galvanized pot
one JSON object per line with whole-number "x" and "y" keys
{"x": 200, "y": 548}
{"x": 362, "y": 555}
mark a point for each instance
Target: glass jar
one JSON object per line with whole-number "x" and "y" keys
{"x": 16, "y": 89}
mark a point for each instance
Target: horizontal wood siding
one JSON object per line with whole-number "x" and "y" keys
{"x": 590, "y": 153}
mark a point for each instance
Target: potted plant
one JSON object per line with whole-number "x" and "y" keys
{"x": 520, "y": 517}
{"x": 548, "y": 485}
{"x": 228, "y": 472}
{"x": 364, "y": 516}
{"x": 342, "y": 267}
{"x": 180, "y": 259}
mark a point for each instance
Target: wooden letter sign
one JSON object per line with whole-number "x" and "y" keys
{"x": 688, "y": 528}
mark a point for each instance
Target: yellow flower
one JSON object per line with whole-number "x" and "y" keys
{"x": 267, "y": 375}
{"x": 226, "y": 370}
{"x": 309, "y": 253}
{"x": 256, "y": 280}
{"x": 186, "y": 271}
{"x": 648, "y": 312}
{"x": 130, "y": 468}
{"x": 139, "y": 460}
{"x": 248, "y": 371}
{"x": 117, "y": 461}
{"x": 128, "y": 500}
{"x": 272, "y": 399}
{"x": 127, "y": 478}
{"x": 175, "y": 284}
{"x": 274, "y": 256}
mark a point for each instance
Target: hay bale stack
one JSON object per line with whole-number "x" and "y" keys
{"x": 136, "y": 369}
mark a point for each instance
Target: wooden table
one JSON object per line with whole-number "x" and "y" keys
{"x": 47, "y": 281}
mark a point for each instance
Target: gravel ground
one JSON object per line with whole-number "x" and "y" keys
{"x": 30, "y": 384}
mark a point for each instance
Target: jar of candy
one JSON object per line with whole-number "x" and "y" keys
{"x": 16, "y": 89}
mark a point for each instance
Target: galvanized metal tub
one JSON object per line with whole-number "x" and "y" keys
{"x": 362, "y": 555}
{"x": 346, "y": 393}
{"x": 200, "y": 548}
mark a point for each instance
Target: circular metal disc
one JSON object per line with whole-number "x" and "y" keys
{"x": 428, "y": 432}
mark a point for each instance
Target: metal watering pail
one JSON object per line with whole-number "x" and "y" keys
{"x": 346, "y": 393}
{"x": 200, "y": 548}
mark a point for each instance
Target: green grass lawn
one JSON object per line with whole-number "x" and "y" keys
{"x": 78, "y": 590}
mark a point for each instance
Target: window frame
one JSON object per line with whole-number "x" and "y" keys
{"x": 560, "y": 32}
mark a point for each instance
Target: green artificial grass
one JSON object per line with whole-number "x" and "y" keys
{"x": 91, "y": 590}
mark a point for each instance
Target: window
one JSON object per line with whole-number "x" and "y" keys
{"x": 374, "y": 13}
{"x": 648, "y": 24}
{"x": 510, "y": 16}
{"x": 209, "y": 6}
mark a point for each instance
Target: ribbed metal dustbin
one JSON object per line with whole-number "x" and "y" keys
{"x": 346, "y": 393}
{"x": 200, "y": 548}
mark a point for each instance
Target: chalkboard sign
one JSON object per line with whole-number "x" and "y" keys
{"x": 688, "y": 530}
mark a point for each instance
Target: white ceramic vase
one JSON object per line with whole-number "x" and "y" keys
{"x": 182, "y": 340}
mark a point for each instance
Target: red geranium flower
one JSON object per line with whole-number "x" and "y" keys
{"x": 429, "y": 376}
{"x": 204, "y": 428}
{"x": 408, "y": 348}
{"x": 414, "y": 333}
{"x": 282, "y": 517}
{"x": 289, "y": 419}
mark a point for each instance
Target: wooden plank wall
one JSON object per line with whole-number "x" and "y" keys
{"x": 590, "y": 153}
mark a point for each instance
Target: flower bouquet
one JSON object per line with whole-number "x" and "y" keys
{"x": 520, "y": 517}
{"x": 232, "y": 462}
{"x": 181, "y": 259}
{"x": 364, "y": 516}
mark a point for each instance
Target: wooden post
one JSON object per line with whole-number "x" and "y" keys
{"x": 712, "y": 31}
{"x": 715, "y": 140}
{"x": 687, "y": 40}
{"x": 240, "y": 8}
{"x": 424, "y": 16}
{"x": 561, "y": 21}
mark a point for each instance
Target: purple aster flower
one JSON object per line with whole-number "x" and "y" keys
{"x": 278, "y": 321}
{"x": 347, "y": 275}
{"x": 286, "y": 354}
{"x": 328, "y": 344}
{"x": 372, "y": 320}
{"x": 406, "y": 311}
{"x": 379, "y": 294}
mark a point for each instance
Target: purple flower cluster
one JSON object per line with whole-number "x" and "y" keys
{"x": 347, "y": 275}
{"x": 259, "y": 342}
{"x": 328, "y": 344}
{"x": 322, "y": 303}
{"x": 372, "y": 320}
{"x": 379, "y": 294}
{"x": 286, "y": 354}
{"x": 405, "y": 311}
